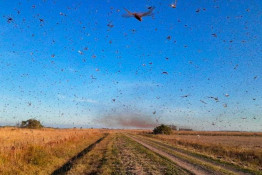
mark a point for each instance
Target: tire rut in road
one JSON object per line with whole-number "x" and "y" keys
{"x": 69, "y": 164}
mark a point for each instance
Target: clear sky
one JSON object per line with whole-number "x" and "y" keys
{"x": 80, "y": 63}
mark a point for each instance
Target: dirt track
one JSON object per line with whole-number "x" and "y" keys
{"x": 185, "y": 165}
{"x": 118, "y": 154}
{"x": 192, "y": 163}
{"x": 137, "y": 154}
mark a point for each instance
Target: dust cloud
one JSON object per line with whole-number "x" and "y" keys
{"x": 128, "y": 121}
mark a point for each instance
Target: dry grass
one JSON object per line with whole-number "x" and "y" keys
{"x": 230, "y": 141}
{"x": 243, "y": 150}
{"x": 25, "y": 151}
{"x": 218, "y": 133}
{"x": 94, "y": 160}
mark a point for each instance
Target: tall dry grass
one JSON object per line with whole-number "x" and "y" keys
{"x": 27, "y": 151}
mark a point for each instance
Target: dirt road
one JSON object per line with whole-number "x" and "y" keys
{"x": 118, "y": 154}
{"x": 194, "y": 164}
{"x": 122, "y": 153}
{"x": 183, "y": 164}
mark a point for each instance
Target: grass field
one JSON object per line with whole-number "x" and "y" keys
{"x": 25, "y": 151}
{"x": 94, "y": 151}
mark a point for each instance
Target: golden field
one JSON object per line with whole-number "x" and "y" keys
{"x": 103, "y": 151}
{"x": 41, "y": 151}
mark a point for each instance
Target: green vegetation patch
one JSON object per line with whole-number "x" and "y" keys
{"x": 162, "y": 129}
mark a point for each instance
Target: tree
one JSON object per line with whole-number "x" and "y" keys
{"x": 162, "y": 129}
{"x": 31, "y": 123}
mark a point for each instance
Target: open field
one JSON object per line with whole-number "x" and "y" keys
{"x": 94, "y": 151}
{"x": 218, "y": 133}
{"x": 25, "y": 151}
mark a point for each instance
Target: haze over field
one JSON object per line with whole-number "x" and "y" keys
{"x": 81, "y": 63}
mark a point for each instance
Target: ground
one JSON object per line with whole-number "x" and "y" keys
{"x": 94, "y": 151}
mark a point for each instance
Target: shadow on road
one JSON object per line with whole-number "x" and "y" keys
{"x": 68, "y": 165}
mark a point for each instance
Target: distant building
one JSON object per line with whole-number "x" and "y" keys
{"x": 185, "y": 129}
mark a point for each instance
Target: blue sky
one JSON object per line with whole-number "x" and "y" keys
{"x": 86, "y": 65}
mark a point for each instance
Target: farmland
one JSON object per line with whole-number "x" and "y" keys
{"x": 25, "y": 151}
{"x": 102, "y": 151}
{"x": 243, "y": 149}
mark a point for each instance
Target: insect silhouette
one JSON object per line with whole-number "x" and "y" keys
{"x": 139, "y": 15}
{"x": 173, "y": 5}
